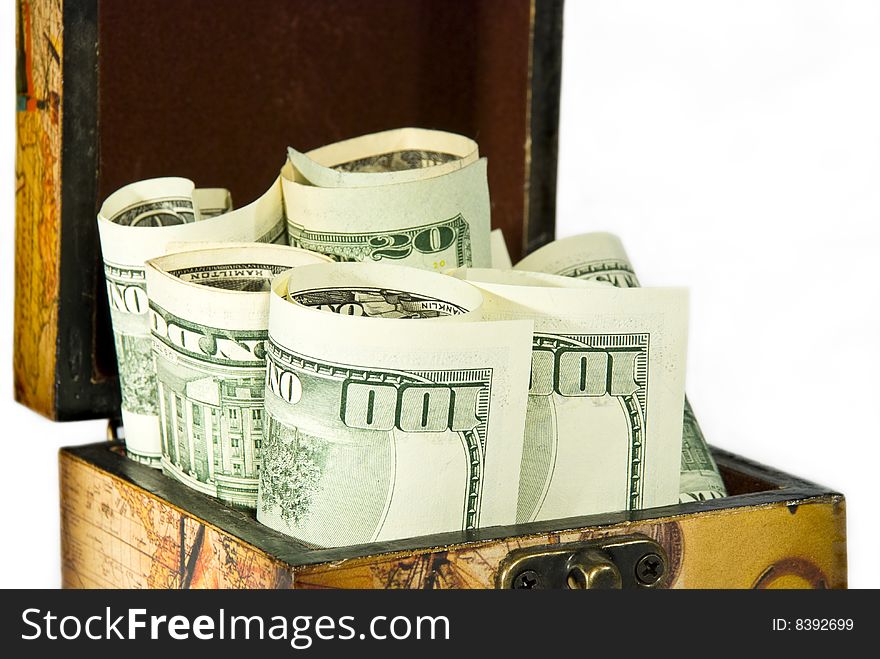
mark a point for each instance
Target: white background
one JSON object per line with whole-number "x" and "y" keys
{"x": 735, "y": 147}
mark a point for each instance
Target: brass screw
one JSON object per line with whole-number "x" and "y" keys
{"x": 527, "y": 580}
{"x": 649, "y": 569}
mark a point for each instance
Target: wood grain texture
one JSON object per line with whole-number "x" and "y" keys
{"x": 37, "y": 201}
{"x": 123, "y": 525}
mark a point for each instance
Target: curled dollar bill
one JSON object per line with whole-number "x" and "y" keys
{"x": 594, "y": 256}
{"x": 209, "y": 312}
{"x": 410, "y": 197}
{"x": 401, "y": 155}
{"x": 603, "y": 424}
{"x": 135, "y": 224}
{"x": 392, "y": 409}
{"x": 600, "y": 257}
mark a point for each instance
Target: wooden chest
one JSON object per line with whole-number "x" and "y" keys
{"x": 114, "y": 91}
{"x": 126, "y": 525}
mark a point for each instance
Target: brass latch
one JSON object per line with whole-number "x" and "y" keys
{"x": 631, "y": 561}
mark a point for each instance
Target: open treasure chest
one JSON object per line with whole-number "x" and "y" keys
{"x": 113, "y": 91}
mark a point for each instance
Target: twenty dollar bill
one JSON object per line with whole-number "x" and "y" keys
{"x": 408, "y": 196}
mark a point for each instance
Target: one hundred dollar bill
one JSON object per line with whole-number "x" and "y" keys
{"x": 600, "y": 257}
{"x": 408, "y": 197}
{"x": 209, "y": 315}
{"x": 135, "y": 224}
{"x": 700, "y": 479}
{"x": 392, "y": 409}
{"x": 603, "y": 424}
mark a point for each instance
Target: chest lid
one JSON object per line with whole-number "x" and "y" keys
{"x": 115, "y": 91}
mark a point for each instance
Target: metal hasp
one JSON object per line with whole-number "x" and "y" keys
{"x": 631, "y": 561}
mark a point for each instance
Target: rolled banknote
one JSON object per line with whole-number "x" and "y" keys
{"x": 135, "y": 224}
{"x": 601, "y": 257}
{"x": 411, "y": 197}
{"x": 700, "y": 478}
{"x": 209, "y": 313}
{"x": 590, "y": 256}
{"x": 401, "y": 155}
{"x": 603, "y": 424}
{"x": 392, "y": 409}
